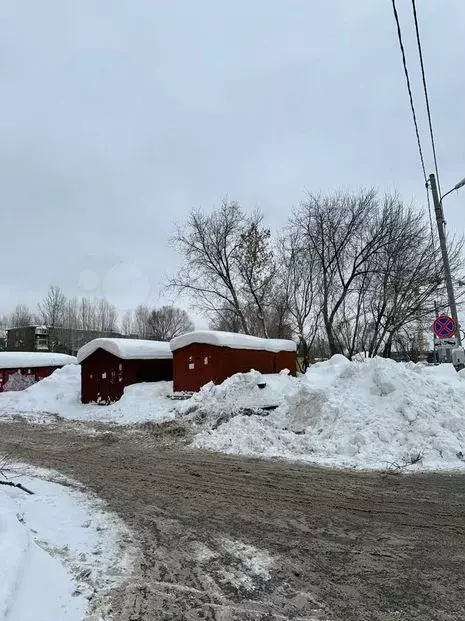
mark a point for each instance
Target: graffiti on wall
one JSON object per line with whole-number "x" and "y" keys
{"x": 18, "y": 381}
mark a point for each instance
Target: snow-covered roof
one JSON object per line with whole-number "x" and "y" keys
{"x": 127, "y": 349}
{"x": 230, "y": 339}
{"x": 31, "y": 359}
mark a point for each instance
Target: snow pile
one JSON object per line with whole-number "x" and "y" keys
{"x": 60, "y": 393}
{"x": 139, "y": 403}
{"x": 53, "y": 394}
{"x": 239, "y": 392}
{"x": 368, "y": 414}
{"x": 58, "y": 550}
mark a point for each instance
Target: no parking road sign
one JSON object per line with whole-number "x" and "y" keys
{"x": 444, "y": 327}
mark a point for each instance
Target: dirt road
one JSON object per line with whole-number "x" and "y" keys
{"x": 340, "y": 546}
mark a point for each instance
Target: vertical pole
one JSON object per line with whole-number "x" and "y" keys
{"x": 445, "y": 256}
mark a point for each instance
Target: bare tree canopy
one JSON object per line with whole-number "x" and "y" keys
{"x": 167, "y": 322}
{"x": 127, "y": 323}
{"x": 140, "y": 323}
{"x": 20, "y": 317}
{"x": 351, "y": 272}
{"x": 52, "y": 307}
{"x": 228, "y": 268}
{"x": 106, "y": 316}
{"x": 377, "y": 269}
{"x": 58, "y": 311}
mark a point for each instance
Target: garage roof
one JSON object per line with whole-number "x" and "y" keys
{"x": 232, "y": 340}
{"x": 32, "y": 359}
{"x": 127, "y": 349}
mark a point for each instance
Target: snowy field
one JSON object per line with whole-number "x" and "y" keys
{"x": 60, "y": 552}
{"x": 372, "y": 414}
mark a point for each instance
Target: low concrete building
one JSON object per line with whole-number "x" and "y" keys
{"x": 52, "y": 338}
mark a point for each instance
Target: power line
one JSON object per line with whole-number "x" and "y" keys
{"x": 425, "y": 90}
{"x": 409, "y": 88}
{"x": 414, "y": 116}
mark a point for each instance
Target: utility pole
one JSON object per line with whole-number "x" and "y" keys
{"x": 445, "y": 255}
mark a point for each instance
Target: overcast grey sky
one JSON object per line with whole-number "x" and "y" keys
{"x": 119, "y": 117}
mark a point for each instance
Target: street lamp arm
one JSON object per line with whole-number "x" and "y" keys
{"x": 446, "y": 194}
{"x": 457, "y": 186}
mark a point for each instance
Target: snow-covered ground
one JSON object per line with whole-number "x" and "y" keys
{"x": 60, "y": 552}
{"x": 372, "y": 413}
{"x": 375, "y": 413}
{"x": 60, "y": 393}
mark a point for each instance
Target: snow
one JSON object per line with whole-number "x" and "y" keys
{"x": 238, "y": 564}
{"x": 372, "y": 414}
{"x": 229, "y": 339}
{"x": 60, "y": 394}
{"x": 257, "y": 562}
{"x": 127, "y": 349}
{"x": 33, "y": 359}
{"x": 59, "y": 549}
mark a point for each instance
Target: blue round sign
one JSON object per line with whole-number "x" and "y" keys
{"x": 444, "y": 327}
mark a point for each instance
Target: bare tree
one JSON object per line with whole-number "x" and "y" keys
{"x": 20, "y": 317}
{"x": 87, "y": 314}
{"x": 279, "y": 322}
{"x": 106, "y": 316}
{"x": 228, "y": 267}
{"x": 3, "y": 329}
{"x": 256, "y": 270}
{"x": 208, "y": 245}
{"x": 376, "y": 268}
{"x": 344, "y": 232}
{"x": 141, "y": 323}
{"x": 52, "y": 307}
{"x": 299, "y": 280}
{"x": 127, "y": 323}
{"x": 71, "y": 314}
{"x": 226, "y": 321}
{"x": 168, "y": 322}
{"x": 409, "y": 280}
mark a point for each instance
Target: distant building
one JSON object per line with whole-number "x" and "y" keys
{"x": 52, "y": 339}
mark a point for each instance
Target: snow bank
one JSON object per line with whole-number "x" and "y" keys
{"x": 33, "y": 359}
{"x": 230, "y": 339}
{"x": 60, "y": 394}
{"x": 127, "y": 349}
{"x": 139, "y": 403}
{"x": 53, "y": 394}
{"x": 366, "y": 414}
{"x": 58, "y": 550}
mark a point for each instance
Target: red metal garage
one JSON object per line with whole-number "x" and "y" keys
{"x": 208, "y": 356}
{"x": 109, "y": 365}
{"x": 21, "y": 369}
